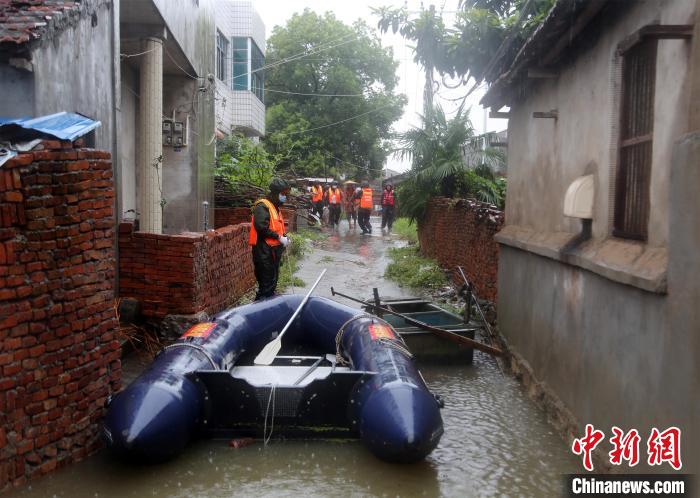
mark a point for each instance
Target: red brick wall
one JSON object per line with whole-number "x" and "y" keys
{"x": 187, "y": 273}
{"x": 233, "y": 215}
{"x": 59, "y": 358}
{"x": 459, "y": 232}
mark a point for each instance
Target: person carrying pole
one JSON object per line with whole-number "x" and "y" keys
{"x": 317, "y": 199}
{"x": 366, "y": 204}
{"x": 335, "y": 199}
{"x": 388, "y": 199}
{"x": 268, "y": 237}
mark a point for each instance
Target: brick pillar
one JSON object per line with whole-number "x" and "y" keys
{"x": 151, "y": 136}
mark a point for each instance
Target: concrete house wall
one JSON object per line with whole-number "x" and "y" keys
{"x": 187, "y": 95}
{"x": 70, "y": 68}
{"x": 602, "y": 323}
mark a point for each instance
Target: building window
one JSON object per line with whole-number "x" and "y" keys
{"x": 257, "y": 60}
{"x": 635, "y": 145}
{"x": 221, "y": 56}
{"x": 240, "y": 64}
{"x": 248, "y": 61}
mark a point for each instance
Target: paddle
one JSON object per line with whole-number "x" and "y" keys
{"x": 269, "y": 352}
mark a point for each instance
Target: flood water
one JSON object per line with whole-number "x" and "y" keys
{"x": 496, "y": 441}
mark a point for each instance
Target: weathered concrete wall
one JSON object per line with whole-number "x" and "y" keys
{"x": 610, "y": 326}
{"x": 129, "y": 122}
{"x": 59, "y": 356}
{"x": 17, "y": 89}
{"x": 546, "y": 155}
{"x": 73, "y": 70}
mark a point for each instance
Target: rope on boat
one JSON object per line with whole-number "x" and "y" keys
{"x": 266, "y": 438}
{"x": 339, "y": 358}
{"x": 196, "y": 347}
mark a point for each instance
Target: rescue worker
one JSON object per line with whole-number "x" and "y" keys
{"x": 365, "y": 196}
{"x": 335, "y": 199}
{"x": 317, "y": 199}
{"x": 268, "y": 237}
{"x": 350, "y": 206}
{"x": 388, "y": 200}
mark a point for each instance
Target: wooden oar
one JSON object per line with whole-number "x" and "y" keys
{"x": 268, "y": 353}
{"x": 445, "y": 334}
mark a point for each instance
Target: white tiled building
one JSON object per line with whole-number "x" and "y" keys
{"x": 240, "y": 55}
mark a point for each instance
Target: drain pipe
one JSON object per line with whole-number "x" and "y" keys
{"x": 206, "y": 215}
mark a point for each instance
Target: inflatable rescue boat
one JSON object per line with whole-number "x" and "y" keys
{"x": 340, "y": 373}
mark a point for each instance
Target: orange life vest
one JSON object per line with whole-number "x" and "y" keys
{"x": 366, "y": 199}
{"x": 317, "y": 194}
{"x": 334, "y": 196}
{"x": 276, "y": 224}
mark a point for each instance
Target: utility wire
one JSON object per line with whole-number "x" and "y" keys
{"x": 316, "y": 94}
{"x": 337, "y": 122}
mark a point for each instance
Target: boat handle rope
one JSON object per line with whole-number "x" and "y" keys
{"x": 339, "y": 358}
{"x": 196, "y": 347}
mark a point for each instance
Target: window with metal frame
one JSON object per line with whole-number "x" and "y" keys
{"x": 633, "y": 176}
{"x": 240, "y": 64}
{"x": 221, "y": 56}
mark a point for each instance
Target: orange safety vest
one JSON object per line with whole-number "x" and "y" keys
{"x": 366, "y": 199}
{"x": 317, "y": 194}
{"x": 334, "y": 196}
{"x": 276, "y": 224}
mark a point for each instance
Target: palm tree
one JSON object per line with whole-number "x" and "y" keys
{"x": 439, "y": 163}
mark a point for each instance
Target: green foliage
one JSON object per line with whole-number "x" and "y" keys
{"x": 349, "y": 61}
{"x": 442, "y": 166}
{"x": 408, "y": 268}
{"x": 288, "y": 268}
{"x": 239, "y": 159}
{"x": 405, "y": 229}
{"x": 474, "y": 46}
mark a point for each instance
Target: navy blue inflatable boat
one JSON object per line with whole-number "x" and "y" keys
{"x": 341, "y": 372}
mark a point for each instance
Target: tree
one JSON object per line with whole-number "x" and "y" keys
{"x": 439, "y": 163}
{"x": 482, "y": 42}
{"x": 239, "y": 159}
{"x": 331, "y": 101}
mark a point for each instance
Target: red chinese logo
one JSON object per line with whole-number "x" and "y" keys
{"x": 587, "y": 444}
{"x": 625, "y": 447}
{"x": 662, "y": 447}
{"x": 665, "y": 447}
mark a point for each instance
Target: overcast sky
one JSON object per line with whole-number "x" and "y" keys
{"x": 411, "y": 80}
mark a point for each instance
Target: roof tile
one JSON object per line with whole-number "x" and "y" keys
{"x": 25, "y": 20}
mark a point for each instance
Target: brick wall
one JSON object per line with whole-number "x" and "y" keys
{"x": 459, "y": 232}
{"x": 187, "y": 273}
{"x": 225, "y": 216}
{"x": 59, "y": 358}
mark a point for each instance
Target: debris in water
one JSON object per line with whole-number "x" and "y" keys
{"x": 241, "y": 442}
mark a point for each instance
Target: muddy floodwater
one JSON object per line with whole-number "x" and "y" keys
{"x": 496, "y": 441}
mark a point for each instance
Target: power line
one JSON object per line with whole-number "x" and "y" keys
{"x": 337, "y": 122}
{"x": 293, "y": 58}
{"x": 315, "y": 94}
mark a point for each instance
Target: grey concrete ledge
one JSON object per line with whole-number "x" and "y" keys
{"x": 623, "y": 261}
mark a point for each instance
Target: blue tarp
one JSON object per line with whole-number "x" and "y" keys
{"x": 62, "y": 125}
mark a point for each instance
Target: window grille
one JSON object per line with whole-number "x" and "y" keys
{"x": 635, "y": 146}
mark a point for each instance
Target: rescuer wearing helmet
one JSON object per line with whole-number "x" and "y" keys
{"x": 365, "y": 209}
{"x": 268, "y": 237}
